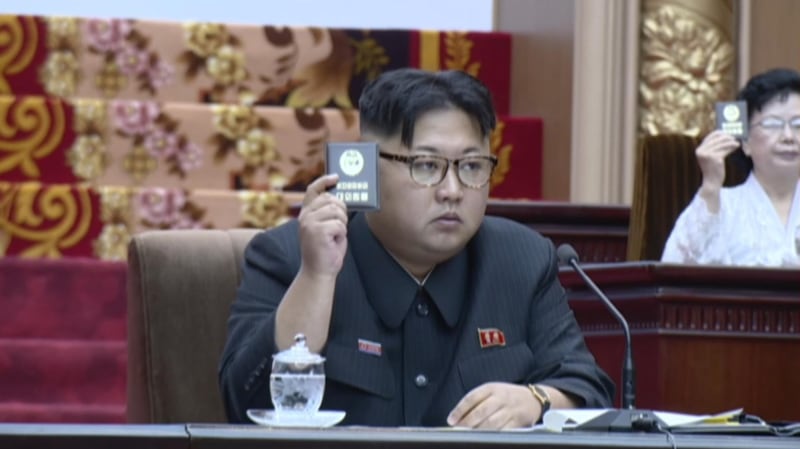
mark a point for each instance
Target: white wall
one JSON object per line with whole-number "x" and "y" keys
{"x": 473, "y": 15}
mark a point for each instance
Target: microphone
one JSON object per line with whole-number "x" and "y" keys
{"x": 628, "y": 418}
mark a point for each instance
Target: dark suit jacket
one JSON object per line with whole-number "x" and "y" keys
{"x": 495, "y": 312}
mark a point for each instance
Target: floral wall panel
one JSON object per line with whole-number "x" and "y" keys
{"x": 219, "y": 63}
{"x": 137, "y": 143}
{"x": 63, "y": 220}
{"x": 23, "y": 52}
{"x": 35, "y": 135}
{"x": 48, "y": 221}
{"x": 200, "y": 146}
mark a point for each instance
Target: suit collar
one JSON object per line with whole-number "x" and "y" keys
{"x": 392, "y": 291}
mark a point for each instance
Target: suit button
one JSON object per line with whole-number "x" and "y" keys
{"x": 421, "y": 380}
{"x": 422, "y": 309}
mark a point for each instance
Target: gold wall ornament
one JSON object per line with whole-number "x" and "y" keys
{"x": 51, "y": 218}
{"x": 88, "y": 155}
{"x": 370, "y": 57}
{"x": 31, "y": 128}
{"x": 61, "y": 71}
{"x": 503, "y": 153}
{"x": 112, "y": 244}
{"x": 458, "y": 48}
{"x": 63, "y": 33}
{"x": 263, "y": 210}
{"x": 115, "y": 205}
{"x": 117, "y": 216}
{"x": 139, "y": 163}
{"x": 19, "y": 39}
{"x": 687, "y": 64}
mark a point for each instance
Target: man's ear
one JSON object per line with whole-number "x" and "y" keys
{"x": 746, "y": 148}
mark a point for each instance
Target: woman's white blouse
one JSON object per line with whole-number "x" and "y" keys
{"x": 745, "y": 231}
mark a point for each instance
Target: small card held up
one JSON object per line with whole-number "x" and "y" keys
{"x": 732, "y": 118}
{"x": 356, "y": 163}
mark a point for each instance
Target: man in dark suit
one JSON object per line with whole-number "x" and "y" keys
{"x": 428, "y": 312}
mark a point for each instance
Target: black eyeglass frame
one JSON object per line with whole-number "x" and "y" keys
{"x": 409, "y": 161}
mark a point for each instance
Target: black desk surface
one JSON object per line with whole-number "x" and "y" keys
{"x": 213, "y": 436}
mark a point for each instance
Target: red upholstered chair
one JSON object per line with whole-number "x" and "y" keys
{"x": 180, "y": 287}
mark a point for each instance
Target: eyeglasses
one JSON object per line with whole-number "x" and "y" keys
{"x": 428, "y": 170}
{"x": 775, "y": 124}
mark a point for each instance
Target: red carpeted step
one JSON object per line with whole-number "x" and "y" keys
{"x": 11, "y": 411}
{"x": 78, "y": 372}
{"x": 63, "y": 352}
{"x": 69, "y": 299}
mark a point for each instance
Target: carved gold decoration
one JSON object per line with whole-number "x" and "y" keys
{"x": 263, "y": 209}
{"x": 503, "y": 153}
{"x": 51, "y": 218}
{"x": 458, "y": 48}
{"x": 687, "y": 65}
{"x": 19, "y": 39}
{"x": 31, "y": 128}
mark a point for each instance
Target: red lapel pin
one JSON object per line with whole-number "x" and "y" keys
{"x": 491, "y": 336}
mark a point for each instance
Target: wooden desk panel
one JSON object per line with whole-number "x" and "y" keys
{"x": 598, "y": 233}
{"x": 705, "y": 339}
{"x": 93, "y": 436}
{"x": 222, "y": 436}
{"x": 249, "y": 437}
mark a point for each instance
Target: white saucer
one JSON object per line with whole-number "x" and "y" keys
{"x": 323, "y": 418}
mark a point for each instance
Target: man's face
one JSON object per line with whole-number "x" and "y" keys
{"x": 420, "y": 225}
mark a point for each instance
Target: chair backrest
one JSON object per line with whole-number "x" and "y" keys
{"x": 180, "y": 287}
{"x": 666, "y": 178}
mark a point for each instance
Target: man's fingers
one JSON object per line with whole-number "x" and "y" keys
{"x": 467, "y": 404}
{"x": 325, "y": 210}
{"x": 319, "y": 186}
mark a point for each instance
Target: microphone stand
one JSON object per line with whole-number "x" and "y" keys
{"x": 628, "y": 393}
{"x": 628, "y": 418}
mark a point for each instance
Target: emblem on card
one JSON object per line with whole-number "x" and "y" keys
{"x": 732, "y": 118}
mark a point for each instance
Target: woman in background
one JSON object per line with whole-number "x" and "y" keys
{"x": 756, "y": 223}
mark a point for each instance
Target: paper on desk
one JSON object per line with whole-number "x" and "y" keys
{"x": 557, "y": 420}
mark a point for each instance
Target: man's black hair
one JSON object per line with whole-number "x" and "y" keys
{"x": 393, "y": 102}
